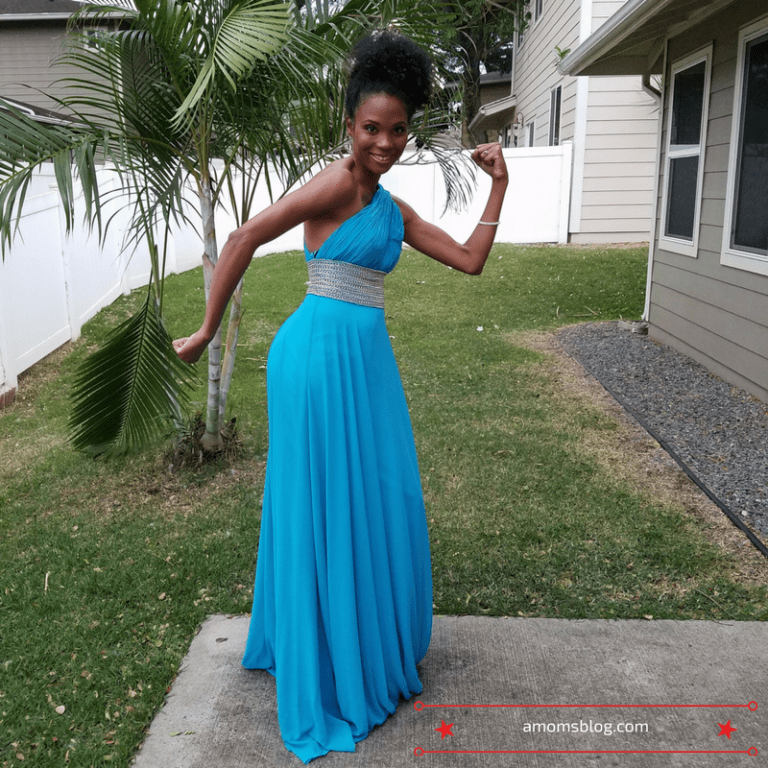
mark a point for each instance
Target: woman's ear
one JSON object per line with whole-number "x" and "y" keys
{"x": 350, "y": 127}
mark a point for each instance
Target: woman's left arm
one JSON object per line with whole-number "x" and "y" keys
{"x": 471, "y": 256}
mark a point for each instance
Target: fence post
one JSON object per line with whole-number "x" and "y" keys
{"x": 8, "y": 380}
{"x": 63, "y": 253}
{"x": 565, "y": 192}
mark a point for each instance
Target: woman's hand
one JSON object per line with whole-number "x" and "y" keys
{"x": 490, "y": 158}
{"x": 191, "y": 349}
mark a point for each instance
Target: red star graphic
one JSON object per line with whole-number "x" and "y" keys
{"x": 445, "y": 729}
{"x": 727, "y": 729}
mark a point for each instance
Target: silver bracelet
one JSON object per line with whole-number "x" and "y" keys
{"x": 489, "y": 223}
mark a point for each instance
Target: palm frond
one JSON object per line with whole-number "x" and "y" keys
{"x": 251, "y": 31}
{"x": 458, "y": 171}
{"x": 122, "y": 86}
{"x": 434, "y": 133}
{"x": 126, "y": 392}
{"x": 25, "y": 146}
{"x": 416, "y": 18}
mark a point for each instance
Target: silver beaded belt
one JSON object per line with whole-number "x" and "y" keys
{"x": 346, "y": 282}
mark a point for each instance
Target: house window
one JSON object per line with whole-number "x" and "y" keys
{"x": 530, "y": 133}
{"x": 686, "y": 139}
{"x": 555, "y": 105}
{"x": 94, "y": 38}
{"x": 745, "y": 236}
{"x": 538, "y": 8}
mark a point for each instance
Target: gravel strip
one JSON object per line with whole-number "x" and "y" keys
{"x": 719, "y": 431}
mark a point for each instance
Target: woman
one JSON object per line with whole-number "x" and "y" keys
{"x": 342, "y": 608}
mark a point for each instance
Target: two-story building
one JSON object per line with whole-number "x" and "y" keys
{"x": 32, "y": 38}
{"x": 707, "y": 291}
{"x": 611, "y": 122}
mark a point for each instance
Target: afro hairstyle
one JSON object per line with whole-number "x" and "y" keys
{"x": 388, "y": 62}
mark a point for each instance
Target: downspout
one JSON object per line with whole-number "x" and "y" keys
{"x": 580, "y": 129}
{"x": 649, "y": 88}
{"x": 515, "y": 51}
{"x": 656, "y": 185}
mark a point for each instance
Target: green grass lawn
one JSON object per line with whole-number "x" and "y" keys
{"x": 108, "y": 567}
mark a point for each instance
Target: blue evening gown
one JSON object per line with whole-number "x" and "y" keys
{"x": 342, "y": 606}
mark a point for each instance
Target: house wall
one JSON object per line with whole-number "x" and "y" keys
{"x": 27, "y": 53}
{"x": 715, "y": 314}
{"x": 612, "y": 122}
{"x": 536, "y": 70}
{"x": 620, "y": 145}
{"x": 494, "y": 91}
{"x": 619, "y": 153}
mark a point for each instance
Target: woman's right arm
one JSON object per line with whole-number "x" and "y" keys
{"x": 319, "y": 195}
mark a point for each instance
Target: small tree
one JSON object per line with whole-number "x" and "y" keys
{"x": 481, "y": 38}
{"x": 255, "y": 85}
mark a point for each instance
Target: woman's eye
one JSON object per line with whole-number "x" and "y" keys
{"x": 370, "y": 128}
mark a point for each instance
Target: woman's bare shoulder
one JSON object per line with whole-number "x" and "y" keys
{"x": 335, "y": 183}
{"x": 405, "y": 210}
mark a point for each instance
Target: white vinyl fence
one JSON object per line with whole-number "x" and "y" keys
{"x": 51, "y": 283}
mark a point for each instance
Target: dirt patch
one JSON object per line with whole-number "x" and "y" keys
{"x": 590, "y": 246}
{"x": 634, "y": 458}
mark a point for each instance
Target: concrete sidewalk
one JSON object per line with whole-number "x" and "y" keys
{"x": 222, "y": 716}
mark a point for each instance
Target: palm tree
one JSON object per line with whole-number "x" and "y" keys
{"x": 173, "y": 97}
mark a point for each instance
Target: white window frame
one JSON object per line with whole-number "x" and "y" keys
{"x": 530, "y": 133}
{"x": 731, "y": 256}
{"x": 538, "y": 9}
{"x": 93, "y": 35}
{"x": 668, "y": 242}
{"x": 555, "y": 115}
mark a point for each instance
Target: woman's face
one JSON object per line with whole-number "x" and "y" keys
{"x": 379, "y": 132}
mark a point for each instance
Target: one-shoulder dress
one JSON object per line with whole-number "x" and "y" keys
{"x": 342, "y": 607}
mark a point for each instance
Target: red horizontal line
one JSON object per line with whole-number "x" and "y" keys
{"x": 419, "y": 752}
{"x": 419, "y": 705}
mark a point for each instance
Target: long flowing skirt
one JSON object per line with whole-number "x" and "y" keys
{"x": 342, "y": 609}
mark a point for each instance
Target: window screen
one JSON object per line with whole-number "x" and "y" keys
{"x": 750, "y": 220}
{"x": 684, "y": 150}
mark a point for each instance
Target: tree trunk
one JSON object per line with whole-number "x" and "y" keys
{"x": 233, "y": 330}
{"x": 471, "y": 90}
{"x": 212, "y": 439}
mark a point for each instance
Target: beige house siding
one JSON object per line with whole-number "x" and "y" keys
{"x": 612, "y": 122}
{"x": 618, "y": 164}
{"x": 602, "y": 10}
{"x": 619, "y": 161}
{"x": 27, "y": 53}
{"x": 536, "y": 70}
{"x": 493, "y": 91}
{"x": 714, "y": 313}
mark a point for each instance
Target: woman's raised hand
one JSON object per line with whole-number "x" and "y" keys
{"x": 490, "y": 158}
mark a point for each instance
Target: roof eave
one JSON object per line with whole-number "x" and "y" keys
{"x": 38, "y": 114}
{"x": 493, "y": 109}
{"x": 35, "y": 16}
{"x": 584, "y": 60}
{"x": 632, "y": 41}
